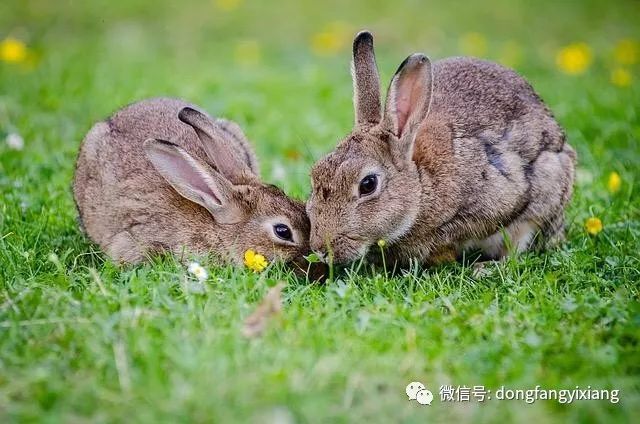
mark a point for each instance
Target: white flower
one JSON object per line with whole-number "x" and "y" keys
{"x": 278, "y": 173}
{"x": 198, "y": 271}
{"x": 15, "y": 141}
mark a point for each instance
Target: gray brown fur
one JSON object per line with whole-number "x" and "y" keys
{"x": 487, "y": 156}
{"x": 366, "y": 88}
{"x": 131, "y": 211}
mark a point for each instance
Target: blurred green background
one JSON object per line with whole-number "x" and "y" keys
{"x": 341, "y": 353}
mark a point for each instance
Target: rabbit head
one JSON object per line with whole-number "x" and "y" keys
{"x": 369, "y": 188}
{"x": 245, "y": 213}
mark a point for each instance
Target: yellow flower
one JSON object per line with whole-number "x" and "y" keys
{"x": 574, "y": 59}
{"x": 621, "y": 77}
{"x": 614, "y": 182}
{"x": 626, "y": 52}
{"x": 382, "y": 243}
{"x": 593, "y": 225}
{"x": 255, "y": 261}
{"x": 247, "y": 52}
{"x": 12, "y": 50}
{"x": 331, "y": 40}
{"x": 292, "y": 154}
{"x": 227, "y": 5}
{"x": 473, "y": 44}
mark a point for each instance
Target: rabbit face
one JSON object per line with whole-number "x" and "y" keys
{"x": 278, "y": 228}
{"x": 272, "y": 224}
{"x": 362, "y": 192}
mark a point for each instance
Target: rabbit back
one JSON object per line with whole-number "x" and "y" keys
{"x": 496, "y": 156}
{"x": 484, "y": 100}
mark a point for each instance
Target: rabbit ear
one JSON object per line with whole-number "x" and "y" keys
{"x": 366, "y": 81}
{"x": 408, "y": 99}
{"x": 192, "y": 180}
{"x": 218, "y": 147}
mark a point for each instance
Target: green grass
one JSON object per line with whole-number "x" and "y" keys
{"x": 82, "y": 339}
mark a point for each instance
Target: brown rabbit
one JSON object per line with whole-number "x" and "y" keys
{"x": 161, "y": 176}
{"x": 465, "y": 155}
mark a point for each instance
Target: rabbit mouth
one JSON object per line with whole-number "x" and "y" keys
{"x": 343, "y": 249}
{"x": 350, "y": 249}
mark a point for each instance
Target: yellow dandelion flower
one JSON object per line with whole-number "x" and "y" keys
{"x": 227, "y": 5}
{"x": 382, "y": 243}
{"x": 621, "y": 77}
{"x": 626, "y": 52}
{"x": 473, "y": 44}
{"x": 247, "y": 53}
{"x": 593, "y": 225}
{"x": 574, "y": 59}
{"x": 13, "y": 50}
{"x": 614, "y": 182}
{"x": 255, "y": 261}
{"x": 331, "y": 40}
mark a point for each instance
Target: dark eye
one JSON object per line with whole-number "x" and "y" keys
{"x": 368, "y": 184}
{"x": 283, "y": 232}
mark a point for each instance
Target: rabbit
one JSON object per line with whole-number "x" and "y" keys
{"x": 160, "y": 175}
{"x": 465, "y": 155}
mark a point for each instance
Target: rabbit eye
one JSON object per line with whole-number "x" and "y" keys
{"x": 368, "y": 184}
{"x": 283, "y": 232}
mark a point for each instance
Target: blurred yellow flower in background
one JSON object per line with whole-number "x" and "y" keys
{"x": 13, "y": 50}
{"x": 227, "y": 5}
{"x": 247, "y": 53}
{"x": 255, "y": 261}
{"x": 614, "y": 182}
{"x": 574, "y": 59}
{"x": 333, "y": 38}
{"x": 473, "y": 44}
{"x": 621, "y": 77}
{"x": 626, "y": 52}
{"x": 593, "y": 225}
{"x": 292, "y": 154}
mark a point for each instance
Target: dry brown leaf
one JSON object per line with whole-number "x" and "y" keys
{"x": 271, "y": 305}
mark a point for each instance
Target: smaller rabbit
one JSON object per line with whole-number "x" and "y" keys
{"x": 464, "y": 155}
{"x": 159, "y": 175}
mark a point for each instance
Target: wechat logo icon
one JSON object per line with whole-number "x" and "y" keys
{"x": 418, "y": 392}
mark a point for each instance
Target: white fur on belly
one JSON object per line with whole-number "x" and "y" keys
{"x": 519, "y": 233}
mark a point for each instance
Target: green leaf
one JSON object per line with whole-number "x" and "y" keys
{"x": 312, "y": 258}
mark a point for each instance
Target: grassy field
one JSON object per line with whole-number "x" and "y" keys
{"x": 82, "y": 339}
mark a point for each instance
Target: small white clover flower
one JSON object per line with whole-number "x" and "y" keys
{"x": 15, "y": 141}
{"x": 198, "y": 271}
{"x": 278, "y": 172}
